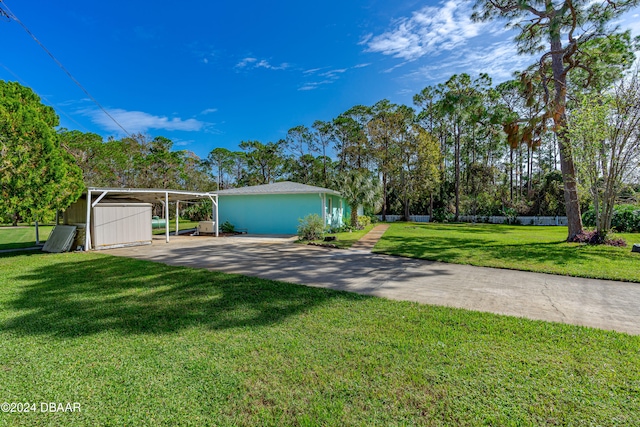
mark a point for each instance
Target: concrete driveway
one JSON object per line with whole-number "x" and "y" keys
{"x": 597, "y": 303}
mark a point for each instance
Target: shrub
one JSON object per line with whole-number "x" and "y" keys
{"x": 364, "y": 220}
{"x": 311, "y": 227}
{"x": 198, "y": 211}
{"x": 227, "y": 227}
{"x": 511, "y": 216}
{"x": 626, "y": 218}
{"x": 442, "y": 215}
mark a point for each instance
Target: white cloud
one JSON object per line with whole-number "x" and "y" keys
{"x": 430, "y": 30}
{"x": 334, "y": 73}
{"x": 250, "y": 63}
{"x": 208, "y": 111}
{"x": 498, "y": 59}
{"x": 312, "y": 71}
{"x": 245, "y": 62}
{"x": 331, "y": 76}
{"x": 315, "y": 85}
{"x": 139, "y": 121}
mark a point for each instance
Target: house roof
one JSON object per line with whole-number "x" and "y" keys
{"x": 284, "y": 187}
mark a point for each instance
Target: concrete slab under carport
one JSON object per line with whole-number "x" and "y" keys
{"x": 600, "y": 304}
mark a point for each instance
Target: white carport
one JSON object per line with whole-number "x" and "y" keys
{"x": 148, "y": 195}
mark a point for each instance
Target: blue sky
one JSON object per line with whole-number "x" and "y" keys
{"x": 210, "y": 73}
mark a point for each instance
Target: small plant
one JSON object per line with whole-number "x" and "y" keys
{"x": 311, "y": 228}
{"x": 227, "y": 227}
{"x": 364, "y": 220}
{"x": 442, "y": 215}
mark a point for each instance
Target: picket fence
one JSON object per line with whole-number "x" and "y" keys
{"x": 524, "y": 220}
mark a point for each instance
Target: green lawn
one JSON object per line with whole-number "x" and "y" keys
{"x": 529, "y": 248}
{"x": 185, "y": 224}
{"x": 22, "y": 236}
{"x": 139, "y": 343}
{"x": 344, "y": 240}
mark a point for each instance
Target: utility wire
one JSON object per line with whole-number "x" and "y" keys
{"x": 9, "y": 14}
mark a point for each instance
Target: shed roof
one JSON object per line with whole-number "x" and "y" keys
{"x": 284, "y": 187}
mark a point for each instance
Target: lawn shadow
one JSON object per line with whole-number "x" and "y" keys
{"x": 122, "y": 295}
{"x": 450, "y": 249}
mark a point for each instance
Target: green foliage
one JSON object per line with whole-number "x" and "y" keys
{"x": 37, "y": 176}
{"x": 311, "y": 227}
{"x": 200, "y": 211}
{"x": 364, "y": 220}
{"x": 626, "y": 218}
{"x": 442, "y": 215}
{"x": 359, "y": 188}
{"x": 227, "y": 227}
{"x": 511, "y": 216}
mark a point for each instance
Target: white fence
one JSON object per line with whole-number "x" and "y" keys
{"x": 413, "y": 218}
{"x": 524, "y": 220}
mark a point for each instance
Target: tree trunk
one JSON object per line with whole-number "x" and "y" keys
{"x": 511, "y": 173}
{"x": 354, "y": 216}
{"x": 567, "y": 167}
{"x": 457, "y": 177}
{"x": 384, "y": 197}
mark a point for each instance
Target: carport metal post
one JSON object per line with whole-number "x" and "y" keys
{"x": 166, "y": 215}
{"x": 177, "y": 216}
{"x": 87, "y": 237}
{"x": 214, "y": 210}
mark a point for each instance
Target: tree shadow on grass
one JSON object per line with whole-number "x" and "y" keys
{"x": 72, "y": 299}
{"x": 464, "y": 227}
{"x": 453, "y": 249}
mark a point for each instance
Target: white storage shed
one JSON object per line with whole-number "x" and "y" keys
{"x": 116, "y": 217}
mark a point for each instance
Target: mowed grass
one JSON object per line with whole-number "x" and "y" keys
{"x": 184, "y": 224}
{"x": 22, "y": 236}
{"x": 529, "y": 248}
{"x": 345, "y": 239}
{"x": 139, "y": 343}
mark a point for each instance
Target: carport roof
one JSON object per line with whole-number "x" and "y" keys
{"x": 284, "y": 187}
{"x": 151, "y": 195}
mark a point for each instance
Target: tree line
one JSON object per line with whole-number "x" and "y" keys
{"x": 465, "y": 146}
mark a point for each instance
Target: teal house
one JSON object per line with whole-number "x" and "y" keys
{"x": 276, "y": 208}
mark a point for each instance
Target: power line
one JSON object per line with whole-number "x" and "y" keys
{"x": 10, "y": 15}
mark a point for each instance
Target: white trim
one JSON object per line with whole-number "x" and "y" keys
{"x": 177, "y": 216}
{"x": 166, "y": 217}
{"x": 93, "y": 205}
{"x": 87, "y": 228}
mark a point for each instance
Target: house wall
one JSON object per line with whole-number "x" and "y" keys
{"x": 268, "y": 213}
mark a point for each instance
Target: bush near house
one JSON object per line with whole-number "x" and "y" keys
{"x": 311, "y": 227}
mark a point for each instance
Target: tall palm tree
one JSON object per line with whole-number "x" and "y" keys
{"x": 359, "y": 188}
